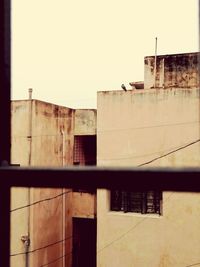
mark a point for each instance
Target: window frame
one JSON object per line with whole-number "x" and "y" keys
{"x": 129, "y": 205}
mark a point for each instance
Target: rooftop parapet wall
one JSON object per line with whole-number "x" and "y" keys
{"x": 178, "y": 70}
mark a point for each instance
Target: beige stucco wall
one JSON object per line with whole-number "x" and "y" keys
{"x": 133, "y": 128}
{"x": 141, "y": 240}
{"x": 20, "y": 131}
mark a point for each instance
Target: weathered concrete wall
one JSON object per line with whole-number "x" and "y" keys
{"x": 84, "y": 205}
{"x": 179, "y": 70}
{"x": 85, "y": 122}
{"x": 133, "y": 128}
{"x": 38, "y": 140}
{"x": 46, "y": 227}
{"x": 48, "y": 122}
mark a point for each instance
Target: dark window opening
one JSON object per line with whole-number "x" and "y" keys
{"x": 85, "y": 150}
{"x": 146, "y": 202}
{"x": 85, "y": 153}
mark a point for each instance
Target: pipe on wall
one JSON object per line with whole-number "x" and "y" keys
{"x": 63, "y": 201}
{"x": 27, "y": 242}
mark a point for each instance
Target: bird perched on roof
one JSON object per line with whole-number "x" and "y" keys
{"x": 123, "y": 87}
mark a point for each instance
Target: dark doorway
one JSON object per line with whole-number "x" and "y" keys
{"x": 84, "y": 242}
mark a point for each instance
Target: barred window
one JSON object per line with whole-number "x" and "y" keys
{"x": 79, "y": 157}
{"x": 141, "y": 202}
{"x": 84, "y": 154}
{"x": 84, "y": 150}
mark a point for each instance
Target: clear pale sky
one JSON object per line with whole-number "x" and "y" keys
{"x": 68, "y": 50}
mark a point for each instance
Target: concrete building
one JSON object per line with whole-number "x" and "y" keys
{"x": 48, "y": 225}
{"x": 150, "y": 128}
{"x": 134, "y": 128}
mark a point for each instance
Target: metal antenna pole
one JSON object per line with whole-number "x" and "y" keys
{"x": 155, "y": 63}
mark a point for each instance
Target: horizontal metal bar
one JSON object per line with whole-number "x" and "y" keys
{"x": 100, "y": 177}
{"x": 5, "y": 81}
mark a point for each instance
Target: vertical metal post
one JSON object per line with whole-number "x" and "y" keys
{"x": 27, "y": 243}
{"x": 63, "y": 203}
{"x": 5, "y": 83}
{"x": 5, "y": 223}
{"x": 5, "y": 86}
{"x": 30, "y": 126}
{"x": 155, "y": 64}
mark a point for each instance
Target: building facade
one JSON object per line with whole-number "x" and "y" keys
{"x": 159, "y": 229}
{"x": 148, "y": 128}
{"x": 47, "y": 224}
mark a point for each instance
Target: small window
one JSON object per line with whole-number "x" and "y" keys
{"x": 146, "y": 202}
{"x": 84, "y": 154}
{"x": 84, "y": 150}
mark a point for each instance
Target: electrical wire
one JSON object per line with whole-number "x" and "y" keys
{"x": 40, "y": 201}
{"x": 40, "y": 248}
{"x": 148, "y": 127}
{"x": 115, "y": 130}
{"x": 57, "y": 259}
{"x": 120, "y": 237}
{"x": 149, "y": 154}
{"x": 171, "y": 152}
{"x": 195, "y": 264}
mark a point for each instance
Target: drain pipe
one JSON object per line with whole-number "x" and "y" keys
{"x": 63, "y": 201}
{"x": 30, "y": 90}
{"x": 63, "y": 147}
{"x": 27, "y": 238}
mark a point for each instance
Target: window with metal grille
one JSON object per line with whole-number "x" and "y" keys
{"x": 85, "y": 150}
{"x": 140, "y": 202}
{"x": 85, "y": 154}
{"x": 78, "y": 150}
